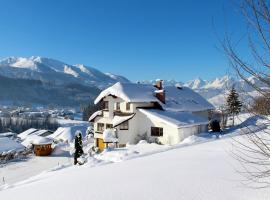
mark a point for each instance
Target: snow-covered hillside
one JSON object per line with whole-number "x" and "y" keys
{"x": 51, "y": 70}
{"x": 206, "y": 171}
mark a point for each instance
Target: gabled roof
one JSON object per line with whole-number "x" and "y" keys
{"x": 177, "y": 99}
{"x": 185, "y": 99}
{"x": 129, "y": 92}
{"x": 176, "y": 119}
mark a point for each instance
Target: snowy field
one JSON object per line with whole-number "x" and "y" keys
{"x": 203, "y": 171}
{"x": 18, "y": 171}
{"x": 201, "y": 167}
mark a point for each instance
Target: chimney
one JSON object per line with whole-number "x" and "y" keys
{"x": 158, "y": 84}
{"x": 160, "y": 92}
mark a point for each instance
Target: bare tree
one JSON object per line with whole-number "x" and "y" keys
{"x": 254, "y": 153}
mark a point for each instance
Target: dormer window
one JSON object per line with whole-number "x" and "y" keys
{"x": 128, "y": 106}
{"x": 117, "y": 106}
{"x": 105, "y": 105}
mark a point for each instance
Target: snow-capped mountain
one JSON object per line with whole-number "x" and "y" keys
{"x": 196, "y": 83}
{"x": 49, "y": 81}
{"x": 45, "y": 81}
{"x": 58, "y": 72}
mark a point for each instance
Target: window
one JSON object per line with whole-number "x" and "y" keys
{"x": 156, "y": 131}
{"x": 117, "y": 107}
{"x": 105, "y": 105}
{"x": 127, "y": 106}
{"x": 124, "y": 126}
{"x": 108, "y": 126}
{"x": 100, "y": 127}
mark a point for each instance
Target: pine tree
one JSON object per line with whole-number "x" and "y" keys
{"x": 78, "y": 147}
{"x": 233, "y": 103}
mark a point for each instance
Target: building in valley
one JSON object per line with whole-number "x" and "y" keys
{"x": 163, "y": 114}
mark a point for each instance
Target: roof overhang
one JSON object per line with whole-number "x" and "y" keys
{"x": 117, "y": 119}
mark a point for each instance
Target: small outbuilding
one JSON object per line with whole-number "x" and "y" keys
{"x": 42, "y": 146}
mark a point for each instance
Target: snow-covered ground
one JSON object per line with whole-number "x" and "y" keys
{"x": 13, "y": 172}
{"x": 20, "y": 169}
{"x": 203, "y": 171}
{"x": 201, "y": 167}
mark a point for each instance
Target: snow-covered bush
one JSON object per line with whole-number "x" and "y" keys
{"x": 109, "y": 136}
{"x": 140, "y": 137}
{"x": 145, "y": 137}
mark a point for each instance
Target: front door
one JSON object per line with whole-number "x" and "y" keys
{"x": 100, "y": 144}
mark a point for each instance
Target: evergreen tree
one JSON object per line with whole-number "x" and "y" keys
{"x": 233, "y": 103}
{"x": 78, "y": 147}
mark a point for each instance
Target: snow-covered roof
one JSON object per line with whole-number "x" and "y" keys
{"x": 40, "y": 132}
{"x": 36, "y": 140}
{"x": 185, "y": 99}
{"x": 7, "y": 144}
{"x": 94, "y": 115}
{"x": 24, "y": 134}
{"x": 109, "y": 136}
{"x": 129, "y": 92}
{"x": 7, "y": 134}
{"x": 67, "y": 134}
{"x": 117, "y": 120}
{"x": 176, "y": 119}
{"x": 176, "y": 99}
{"x": 41, "y": 140}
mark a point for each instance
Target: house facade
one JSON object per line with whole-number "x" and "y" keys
{"x": 164, "y": 114}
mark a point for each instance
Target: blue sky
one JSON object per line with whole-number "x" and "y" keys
{"x": 140, "y": 39}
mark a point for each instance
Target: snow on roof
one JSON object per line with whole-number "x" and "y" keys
{"x": 37, "y": 140}
{"x": 178, "y": 119}
{"x": 41, "y": 140}
{"x": 40, "y": 132}
{"x": 7, "y": 144}
{"x": 24, "y": 134}
{"x": 117, "y": 120}
{"x": 7, "y": 134}
{"x": 185, "y": 99}
{"x": 67, "y": 134}
{"x": 109, "y": 136}
{"x": 177, "y": 99}
{"x": 129, "y": 92}
{"x": 94, "y": 115}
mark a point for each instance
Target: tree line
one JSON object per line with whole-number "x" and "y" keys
{"x": 20, "y": 124}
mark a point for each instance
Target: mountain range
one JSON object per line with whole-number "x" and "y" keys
{"x": 45, "y": 81}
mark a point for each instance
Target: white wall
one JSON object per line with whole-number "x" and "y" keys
{"x": 141, "y": 124}
{"x": 124, "y": 136}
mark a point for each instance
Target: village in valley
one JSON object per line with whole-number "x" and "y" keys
{"x": 136, "y": 120}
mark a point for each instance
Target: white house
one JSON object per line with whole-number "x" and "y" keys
{"x": 166, "y": 114}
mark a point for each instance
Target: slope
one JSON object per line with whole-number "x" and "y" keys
{"x": 204, "y": 171}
